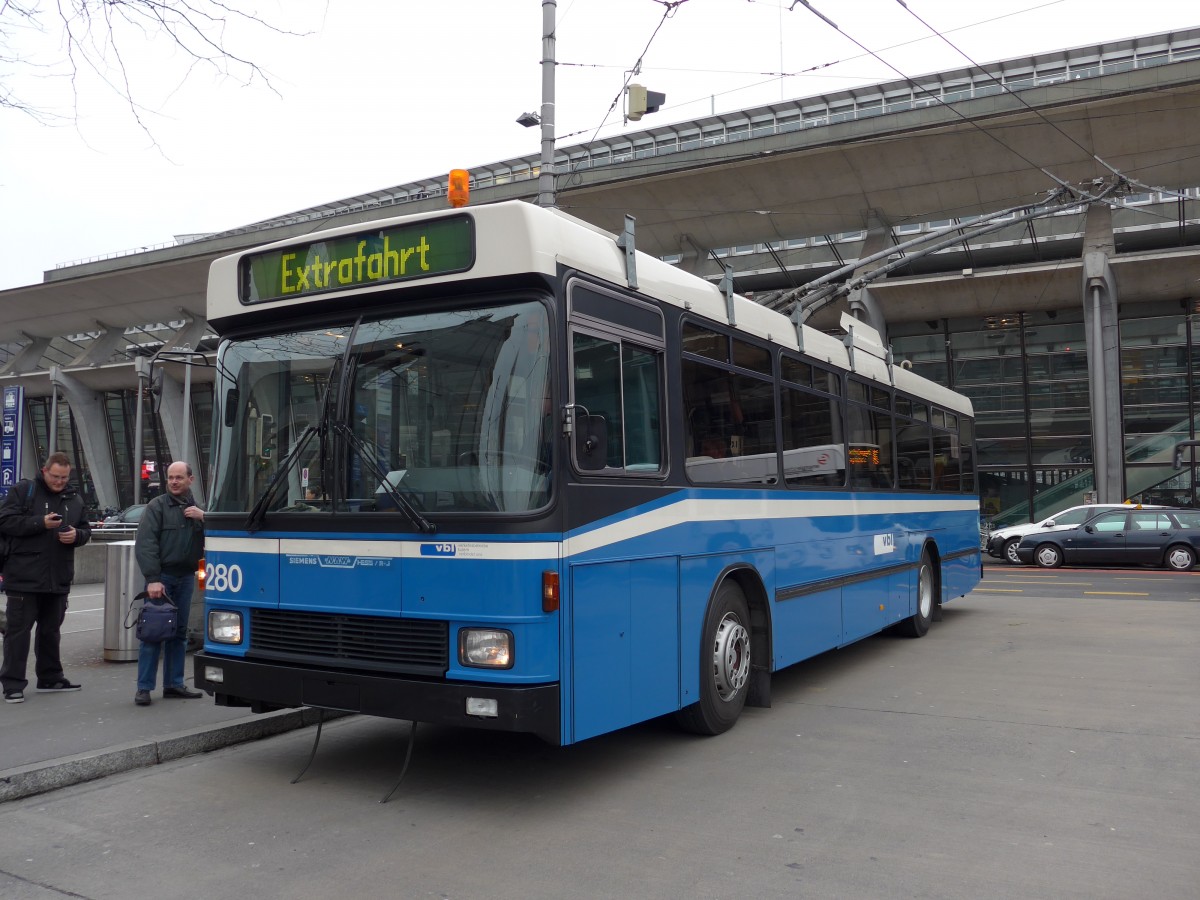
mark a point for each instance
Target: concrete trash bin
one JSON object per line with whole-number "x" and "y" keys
{"x": 122, "y": 582}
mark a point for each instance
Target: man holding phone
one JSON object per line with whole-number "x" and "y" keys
{"x": 45, "y": 522}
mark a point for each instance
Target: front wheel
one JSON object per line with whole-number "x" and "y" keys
{"x": 917, "y": 625}
{"x": 1048, "y": 556}
{"x": 724, "y": 664}
{"x": 1180, "y": 557}
{"x": 1010, "y": 551}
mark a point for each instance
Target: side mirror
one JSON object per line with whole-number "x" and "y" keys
{"x": 591, "y": 442}
{"x": 1089, "y": 529}
{"x": 1049, "y": 523}
{"x": 232, "y": 396}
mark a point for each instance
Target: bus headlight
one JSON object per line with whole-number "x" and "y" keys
{"x": 224, "y": 626}
{"x": 487, "y": 648}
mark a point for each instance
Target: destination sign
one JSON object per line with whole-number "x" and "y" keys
{"x": 421, "y": 250}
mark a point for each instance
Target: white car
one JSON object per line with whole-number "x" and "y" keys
{"x": 1002, "y": 543}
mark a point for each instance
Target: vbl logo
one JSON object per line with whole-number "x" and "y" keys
{"x": 437, "y": 550}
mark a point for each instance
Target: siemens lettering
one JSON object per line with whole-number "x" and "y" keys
{"x": 386, "y": 264}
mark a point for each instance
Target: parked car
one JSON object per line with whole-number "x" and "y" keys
{"x": 1002, "y": 542}
{"x": 1158, "y": 536}
{"x": 126, "y": 520}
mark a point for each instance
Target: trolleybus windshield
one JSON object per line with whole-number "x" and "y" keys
{"x": 450, "y": 409}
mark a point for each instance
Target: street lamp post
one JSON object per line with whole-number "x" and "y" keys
{"x": 546, "y": 174}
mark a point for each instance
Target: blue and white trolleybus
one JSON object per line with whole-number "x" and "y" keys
{"x": 487, "y": 467}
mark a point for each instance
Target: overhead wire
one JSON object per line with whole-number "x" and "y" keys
{"x": 1017, "y": 96}
{"x": 925, "y": 91}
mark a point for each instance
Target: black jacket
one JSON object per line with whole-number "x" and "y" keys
{"x": 168, "y": 541}
{"x": 37, "y": 562}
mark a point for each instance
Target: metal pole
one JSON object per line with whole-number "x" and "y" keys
{"x": 141, "y": 366}
{"x": 546, "y": 174}
{"x": 53, "y": 419}
{"x": 187, "y": 410}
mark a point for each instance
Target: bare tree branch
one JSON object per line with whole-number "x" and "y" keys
{"x": 97, "y": 37}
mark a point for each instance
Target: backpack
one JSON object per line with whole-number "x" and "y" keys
{"x": 5, "y": 540}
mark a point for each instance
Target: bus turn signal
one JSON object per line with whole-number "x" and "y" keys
{"x": 549, "y": 592}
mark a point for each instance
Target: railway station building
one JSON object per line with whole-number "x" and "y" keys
{"x": 1026, "y": 233}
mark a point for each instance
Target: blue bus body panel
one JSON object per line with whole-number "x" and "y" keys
{"x": 625, "y": 645}
{"x": 624, "y": 657}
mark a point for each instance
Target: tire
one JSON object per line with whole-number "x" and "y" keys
{"x": 1048, "y": 556}
{"x": 1010, "y": 551}
{"x": 917, "y": 625}
{"x": 724, "y": 664}
{"x": 1179, "y": 557}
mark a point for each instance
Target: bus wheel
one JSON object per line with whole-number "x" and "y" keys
{"x": 917, "y": 625}
{"x": 724, "y": 664}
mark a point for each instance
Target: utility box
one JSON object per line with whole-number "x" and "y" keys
{"x": 122, "y": 582}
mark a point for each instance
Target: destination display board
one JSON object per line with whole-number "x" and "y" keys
{"x": 403, "y": 253}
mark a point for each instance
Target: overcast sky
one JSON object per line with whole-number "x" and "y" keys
{"x": 375, "y": 93}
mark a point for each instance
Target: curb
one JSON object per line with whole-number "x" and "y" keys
{"x": 37, "y": 778}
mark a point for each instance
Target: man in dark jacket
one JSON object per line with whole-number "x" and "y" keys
{"x": 44, "y": 527}
{"x": 170, "y": 542}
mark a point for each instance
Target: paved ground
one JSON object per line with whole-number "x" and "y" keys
{"x": 1041, "y": 741}
{"x": 53, "y": 740}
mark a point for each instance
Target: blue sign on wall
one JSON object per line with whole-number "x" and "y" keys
{"x": 11, "y": 415}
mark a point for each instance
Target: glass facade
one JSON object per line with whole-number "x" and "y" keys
{"x": 1026, "y": 374}
{"x": 120, "y": 415}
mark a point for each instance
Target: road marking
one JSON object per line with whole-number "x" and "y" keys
{"x": 1056, "y": 583}
{"x": 983, "y": 590}
{"x": 1121, "y": 593}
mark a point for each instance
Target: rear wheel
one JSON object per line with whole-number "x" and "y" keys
{"x": 1010, "y": 551}
{"x": 917, "y": 625}
{"x": 1180, "y": 557}
{"x": 1048, "y": 556}
{"x": 724, "y": 664}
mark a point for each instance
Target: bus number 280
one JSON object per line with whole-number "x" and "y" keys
{"x": 223, "y": 578}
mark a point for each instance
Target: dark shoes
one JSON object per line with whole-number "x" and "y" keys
{"x": 142, "y": 698}
{"x": 181, "y": 693}
{"x": 14, "y": 697}
{"x": 57, "y": 687}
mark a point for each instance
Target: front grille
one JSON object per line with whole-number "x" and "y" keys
{"x": 378, "y": 643}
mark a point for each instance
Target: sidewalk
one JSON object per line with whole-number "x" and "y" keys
{"x": 54, "y": 740}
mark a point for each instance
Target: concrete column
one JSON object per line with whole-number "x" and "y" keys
{"x": 861, "y": 302}
{"x": 1104, "y": 356}
{"x": 28, "y": 358}
{"x": 98, "y": 352}
{"x": 92, "y": 430}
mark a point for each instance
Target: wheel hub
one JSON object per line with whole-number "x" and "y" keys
{"x": 731, "y": 657}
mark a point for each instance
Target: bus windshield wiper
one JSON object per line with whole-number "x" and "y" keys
{"x": 258, "y": 513}
{"x": 355, "y": 443}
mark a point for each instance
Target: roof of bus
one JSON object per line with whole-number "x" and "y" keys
{"x": 523, "y": 238}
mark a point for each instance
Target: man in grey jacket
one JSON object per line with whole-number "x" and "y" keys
{"x": 170, "y": 543}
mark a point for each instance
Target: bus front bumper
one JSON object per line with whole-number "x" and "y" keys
{"x": 264, "y": 686}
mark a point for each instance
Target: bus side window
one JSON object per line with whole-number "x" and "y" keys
{"x": 621, "y": 383}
